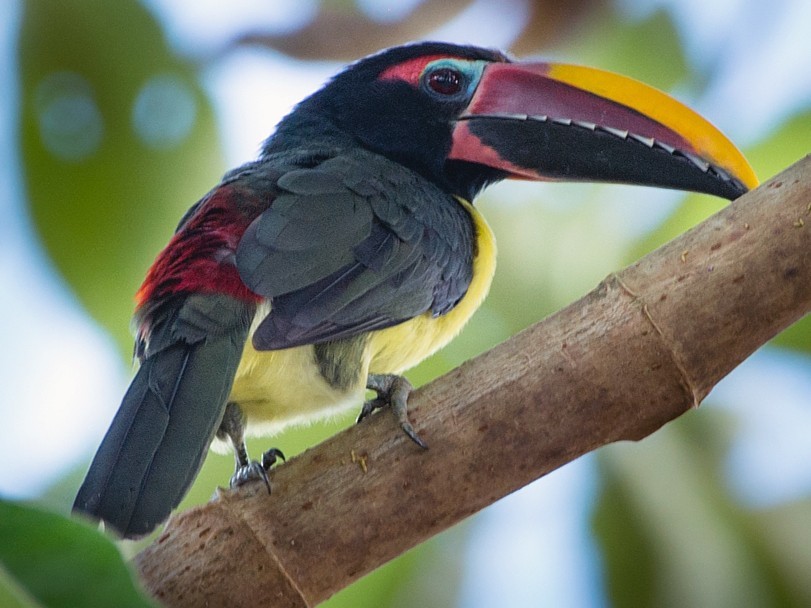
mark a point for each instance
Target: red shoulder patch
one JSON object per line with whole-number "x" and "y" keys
{"x": 200, "y": 256}
{"x": 409, "y": 71}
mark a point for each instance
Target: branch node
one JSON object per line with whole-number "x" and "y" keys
{"x": 239, "y": 515}
{"x": 684, "y": 376}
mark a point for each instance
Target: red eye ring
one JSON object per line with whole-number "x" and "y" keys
{"x": 445, "y": 81}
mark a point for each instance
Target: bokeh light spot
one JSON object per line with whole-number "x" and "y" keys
{"x": 70, "y": 122}
{"x": 387, "y": 11}
{"x": 164, "y": 111}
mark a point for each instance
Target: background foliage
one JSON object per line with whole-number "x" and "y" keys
{"x": 117, "y": 136}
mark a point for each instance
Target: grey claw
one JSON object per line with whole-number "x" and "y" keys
{"x": 392, "y": 391}
{"x": 412, "y": 434}
{"x": 255, "y": 470}
{"x": 270, "y": 457}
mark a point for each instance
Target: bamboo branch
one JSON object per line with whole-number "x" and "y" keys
{"x": 642, "y": 348}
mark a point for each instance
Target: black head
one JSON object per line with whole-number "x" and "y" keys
{"x": 464, "y": 117}
{"x": 401, "y": 103}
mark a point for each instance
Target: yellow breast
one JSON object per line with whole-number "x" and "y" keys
{"x": 279, "y": 388}
{"x": 396, "y": 349}
{"x": 283, "y": 387}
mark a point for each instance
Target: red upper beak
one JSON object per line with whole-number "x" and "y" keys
{"x": 554, "y": 121}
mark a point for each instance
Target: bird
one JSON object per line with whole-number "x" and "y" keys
{"x": 351, "y": 249}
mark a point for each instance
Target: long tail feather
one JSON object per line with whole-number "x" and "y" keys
{"x": 158, "y": 439}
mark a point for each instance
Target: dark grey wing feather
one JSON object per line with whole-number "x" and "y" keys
{"x": 352, "y": 246}
{"x": 161, "y": 433}
{"x": 284, "y": 248}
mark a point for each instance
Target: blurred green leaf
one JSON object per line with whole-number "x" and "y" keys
{"x": 785, "y": 537}
{"x": 118, "y": 140}
{"x": 673, "y": 535}
{"x": 787, "y": 144}
{"x": 628, "y": 552}
{"x": 648, "y": 50}
{"x": 695, "y": 209}
{"x": 11, "y": 594}
{"x": 61, "y": 562}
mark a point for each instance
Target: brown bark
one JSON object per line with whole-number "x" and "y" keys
{"x": 642, "y": 348}
{"x": 339, "y": 34}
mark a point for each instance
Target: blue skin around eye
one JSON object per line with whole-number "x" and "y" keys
{"x": 471, "y": 70}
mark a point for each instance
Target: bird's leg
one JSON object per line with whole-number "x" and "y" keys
{"x": 392, "y": 391}
{"x": 233, "y": 427}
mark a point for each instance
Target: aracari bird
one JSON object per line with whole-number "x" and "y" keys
{"x": 351, "y": 250}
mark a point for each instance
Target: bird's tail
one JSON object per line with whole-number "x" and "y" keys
{"x": 158, "y": 439}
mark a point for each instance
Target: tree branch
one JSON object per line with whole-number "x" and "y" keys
{"x": 642, "y": 348}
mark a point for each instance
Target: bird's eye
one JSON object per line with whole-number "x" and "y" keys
{"x": 445, "y": 81}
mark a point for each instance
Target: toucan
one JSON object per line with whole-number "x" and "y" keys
{"x": 350, "y": 250}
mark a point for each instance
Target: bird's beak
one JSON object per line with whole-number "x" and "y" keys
{"x": 565, "y": 122}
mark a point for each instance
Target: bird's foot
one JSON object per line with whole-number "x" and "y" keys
{"x": 392, "y": 391}
{"x": 255, "y": 470}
